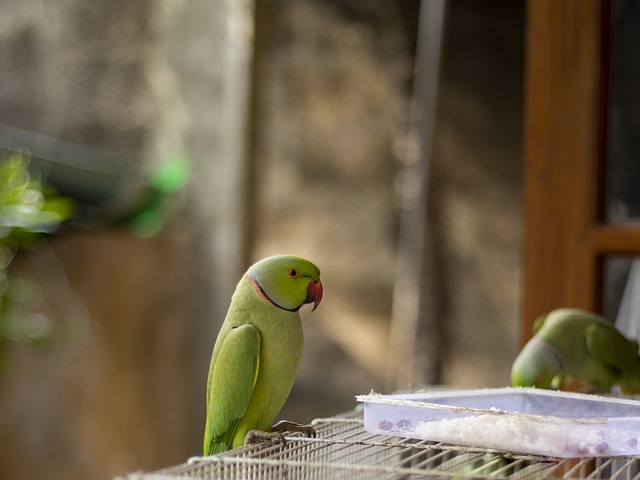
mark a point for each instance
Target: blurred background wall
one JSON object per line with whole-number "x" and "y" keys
{"x": 296, "y": 129}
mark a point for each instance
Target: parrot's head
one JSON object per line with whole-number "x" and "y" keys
{"x": 287, "y": 282}
{"x": 536, "y": 365}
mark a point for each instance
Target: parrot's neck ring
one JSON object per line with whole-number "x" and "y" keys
{"x": 256, "y": 286}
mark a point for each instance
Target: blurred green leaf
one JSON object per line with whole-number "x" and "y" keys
{"x": 148, "y": 215}
{"x": 171, "y": 175}
{"x": 28, "y": 209}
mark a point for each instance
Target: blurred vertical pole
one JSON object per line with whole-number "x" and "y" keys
{"x": 204, "y": 70}
{"x": 415, "y": 333}
{"x": 221, "y": 195}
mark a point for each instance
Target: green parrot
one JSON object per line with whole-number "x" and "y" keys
{"x": 581, "y": 345}
{"x": 258, "y": 350}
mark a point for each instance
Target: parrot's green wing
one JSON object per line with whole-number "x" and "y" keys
{"x": 232, "y": 376}
{"x": 609, "y": 346}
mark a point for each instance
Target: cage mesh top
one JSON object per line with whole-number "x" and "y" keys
{"x": 344, "y": 450}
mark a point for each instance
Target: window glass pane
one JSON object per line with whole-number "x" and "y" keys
{"x": 621, "y": 293}
{"x": 622, "y": 188}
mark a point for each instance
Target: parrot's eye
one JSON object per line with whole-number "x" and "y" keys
{"x": 293, "y": 273}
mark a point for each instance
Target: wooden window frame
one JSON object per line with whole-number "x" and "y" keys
{"x": 565, "y": 238}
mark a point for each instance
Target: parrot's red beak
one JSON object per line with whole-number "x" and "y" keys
{"x": 314, "y": 293}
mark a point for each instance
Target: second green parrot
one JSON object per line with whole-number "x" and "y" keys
{"x": 581, "y": 345}
{"x": 256, "y": 355}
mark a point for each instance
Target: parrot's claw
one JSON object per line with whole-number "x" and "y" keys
{"x": 254, "y": 437}
{"x": 276, "y": 435}
{"x": 285, "y": 426}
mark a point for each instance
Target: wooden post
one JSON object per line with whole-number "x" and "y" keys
{"x": 562, "y": 152}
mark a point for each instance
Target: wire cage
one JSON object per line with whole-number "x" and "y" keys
{"x": 344, "y": 450}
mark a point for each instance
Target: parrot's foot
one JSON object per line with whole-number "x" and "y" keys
{"x": 285, "y": 426}
{"x": 254, "y": 437}
{"x": 276, "y": 435}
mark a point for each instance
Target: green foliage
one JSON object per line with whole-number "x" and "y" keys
{"x": 147, "y": 217}
{"x": 28, "y": 209}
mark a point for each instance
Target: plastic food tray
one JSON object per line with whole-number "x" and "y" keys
{"x": 523, "y": 420}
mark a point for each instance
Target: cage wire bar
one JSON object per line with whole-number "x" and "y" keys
{"x": 344, "y": 450}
